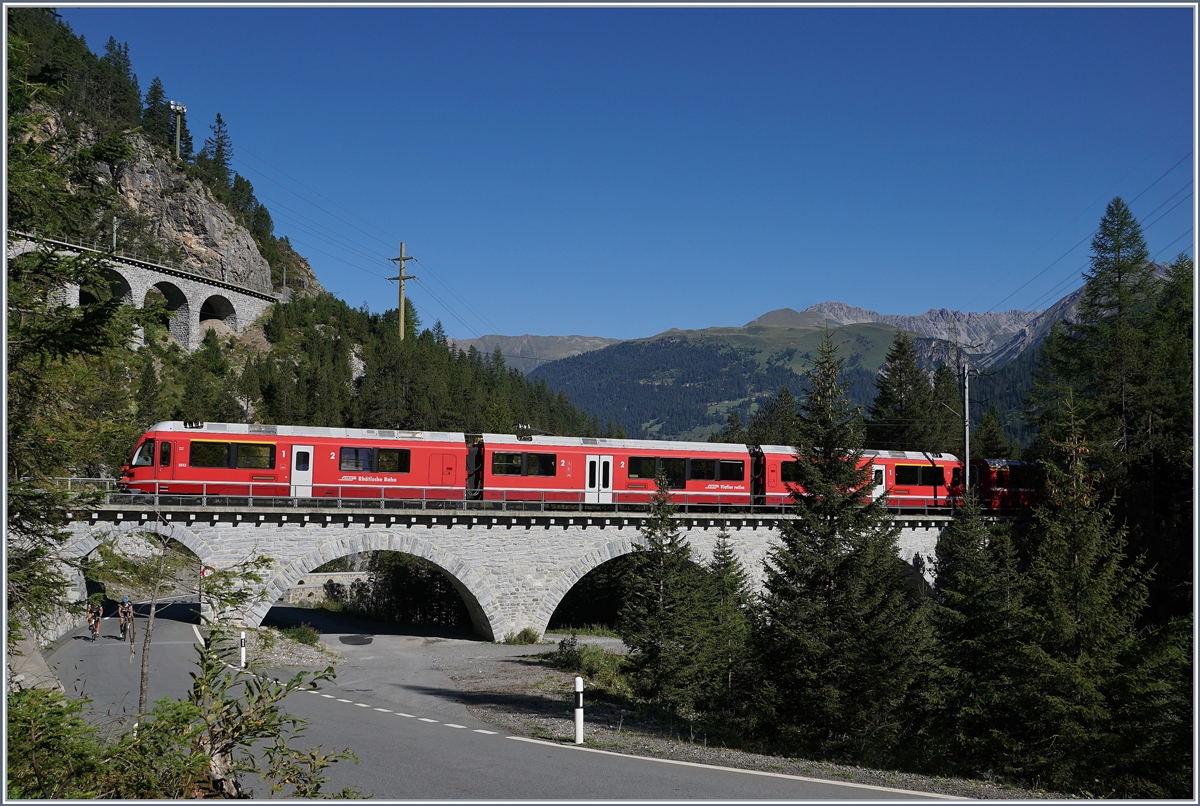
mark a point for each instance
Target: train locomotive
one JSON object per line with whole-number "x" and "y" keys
{"x": 303, "y": 462}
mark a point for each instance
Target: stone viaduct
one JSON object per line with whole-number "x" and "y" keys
{"x": 511, "y": 569}
{"x": 191, "y": 298}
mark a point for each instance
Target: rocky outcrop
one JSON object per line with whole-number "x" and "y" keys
{"x": 186, "y": 216}
{"x": 527, "y": 353}
{"x": 980, "y": 332}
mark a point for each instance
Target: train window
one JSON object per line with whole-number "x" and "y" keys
{"x": 393, "y": 460}
{"x": 540, "y": 464}
{"x": 1002, "y": 477}
{"x": 731, "y": 470}
{"x": 673, "y": 469}
{"x": 1025, "y": 477}
{"x": 877, "y": 478}
{"x": 790, "y": 472}
{"x": 956, "y": 476}
{"x": 301, "y": 461}
{"x": 506, "y": 464}
{"x": 921, "y": 475}
{"x": 355, "y": 459}
{"x": 164, "y": 455}
{"x": 641, "y": 467}
{"x": 210, "y": 454}
{"x": 255, "y": 455}
{"x": 145, "y": 454}
{"x": 703, "y": 469}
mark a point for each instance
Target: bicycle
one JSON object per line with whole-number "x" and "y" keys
{"x": 94, "y": 624}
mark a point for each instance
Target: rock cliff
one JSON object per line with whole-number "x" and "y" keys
{"x": 185, "y": 215}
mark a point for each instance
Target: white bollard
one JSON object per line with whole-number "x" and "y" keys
{"x": 578, "y": 710}
{"x": 243, "y": 649}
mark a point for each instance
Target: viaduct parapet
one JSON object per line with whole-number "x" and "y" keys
{"x": 511, "y": 570}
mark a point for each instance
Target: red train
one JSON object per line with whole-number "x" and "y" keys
{"x": 231, "y": 459}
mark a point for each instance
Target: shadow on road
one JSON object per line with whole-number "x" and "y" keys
{"x": 342, "y": 624}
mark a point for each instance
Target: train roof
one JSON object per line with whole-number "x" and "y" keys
{"x": 998, "y": 463}
{"x": 910, "y": 455}
{"x": 615, "y": 444}
{"x": 259, "y": 429}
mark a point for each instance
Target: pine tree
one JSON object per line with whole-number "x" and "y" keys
{"x": 728, "y": 657}
{"x": 842, "y": 636}
{"x": 1084, "y": 601}
{"x": 148, "y": 393}
{"x": 777, "y": 422}
{"x": 900, "y": 412}
{"x": 156, "y": 115}
{"x": 215, "y": 157}
{"x": 988, "y": 441}
{"x": 945, "y": 413}
{"x": 979, "y": 625}
{"x": 662, "y": 619}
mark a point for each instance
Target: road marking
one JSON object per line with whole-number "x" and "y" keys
{"x": 427, "y": 719}
{"x": 199, "y": 637}
{"x": 385, "y": 710}
{"x": 410, "y": 716}
{"x": 362, "y": 705}
{"x": 734, "y": 769}
{"x": 330, "y": 696}
{"x": 488, "y": 732}
{"x": 452, "y": 725}
{"x": 339, "y": 699}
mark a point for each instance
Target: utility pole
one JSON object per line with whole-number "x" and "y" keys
{"x": 402, "y": 277}
{"x": 180, "y": 110}
{"x": 966, "y": 430}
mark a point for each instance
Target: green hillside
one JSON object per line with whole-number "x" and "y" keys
{"x": 682, "y": 384}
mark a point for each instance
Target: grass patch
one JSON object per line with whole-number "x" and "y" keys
{"x": 304, "y": 633}
{"x": 595, "y": 630}
{"x": 526, "y": 636}
{"x": 603, "y": 669}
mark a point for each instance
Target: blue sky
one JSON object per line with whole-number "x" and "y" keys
{"x": 621, "y": 171}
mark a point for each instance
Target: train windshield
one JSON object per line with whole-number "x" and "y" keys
{"x": 144, "y": 456}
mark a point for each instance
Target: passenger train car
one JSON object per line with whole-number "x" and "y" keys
{"x": 231, "y": 459}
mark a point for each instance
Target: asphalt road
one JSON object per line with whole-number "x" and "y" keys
{"x": 412, "y": 733}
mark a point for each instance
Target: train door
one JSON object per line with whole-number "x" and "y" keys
{"x": 302, "y": 462}
{"x": 443, "y": 470}
{"x": 166, "y": 461}
{"x": 599, "y": 480}
{"x": 878, "y": 481}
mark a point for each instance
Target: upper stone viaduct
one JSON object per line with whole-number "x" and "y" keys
{"x": 191, "y": 298}
{"x": 511, "y": 569}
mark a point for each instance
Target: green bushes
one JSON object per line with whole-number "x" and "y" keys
{"x": 605, "y": 670}
{"x": 304, "y": 633}
{"x": 526, "y": 636}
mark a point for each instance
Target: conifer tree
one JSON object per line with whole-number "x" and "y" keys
{"x": 777, "y": 422}
{"x": 945, "y": 413}
{"x": 979, "y": 625}
{"x": 1084, "y": 600}
{"x": 728, "y": 663}
{"x": 900, "y": 412}
{"x": 988, "y": 441}
{"x": 662, "y": 619}
{"x": 156, "y": 115}
{"x": 841, "y": 636}
{"x": 215, "y": 157}
{"x": 148, "y": 392}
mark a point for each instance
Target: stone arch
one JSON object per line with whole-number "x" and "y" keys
{"x": 554, "y": 594}
{"x": 219, "y": 308}
{"x": 481, "y": 601}
{"x": 180, "y": 310}
{"x": 118, "y": 287}
{"x": 85, "y": 542}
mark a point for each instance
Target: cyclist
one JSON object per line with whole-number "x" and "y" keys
{"x": 125, "y": 614}
{"x": 94, "y": 612}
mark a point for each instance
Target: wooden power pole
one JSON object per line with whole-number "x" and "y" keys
{"x": 402, "y": 277}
